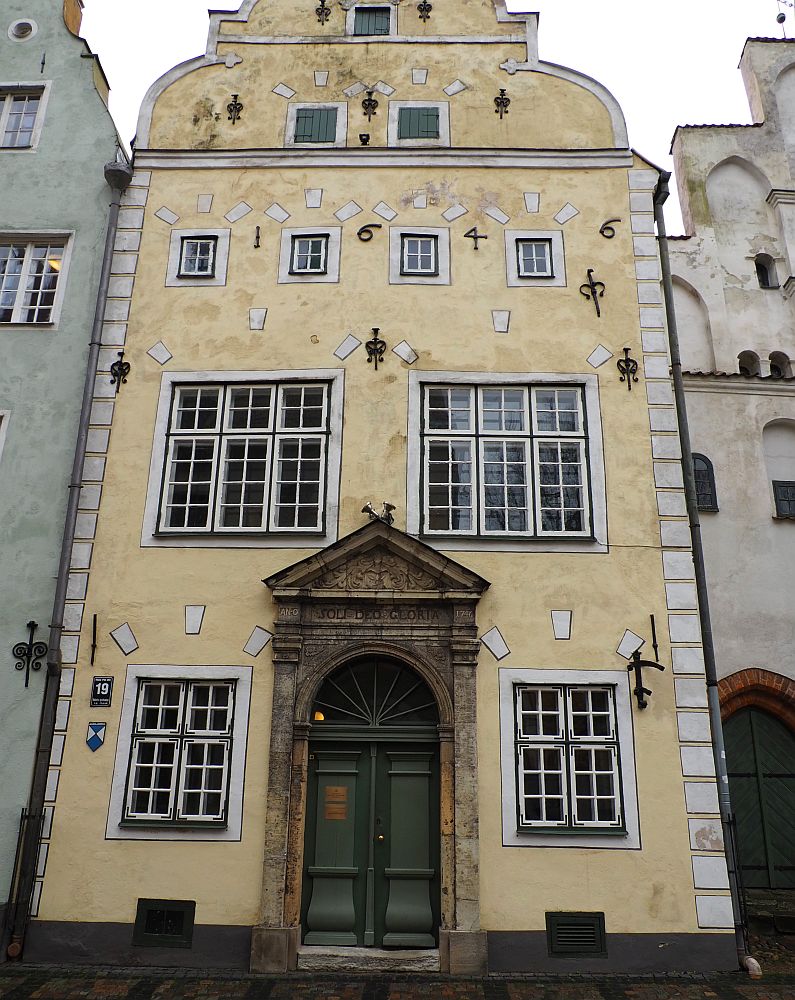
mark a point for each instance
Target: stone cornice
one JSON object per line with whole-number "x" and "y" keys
{"x": 740, "y": 386}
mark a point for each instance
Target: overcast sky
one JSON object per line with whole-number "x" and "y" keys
{"x": 668, "y": 63}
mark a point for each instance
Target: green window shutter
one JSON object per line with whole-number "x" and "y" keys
{"x": 371, "y": 21}
{"x": 316, "y": 125}
{"x": 418, "y": 123}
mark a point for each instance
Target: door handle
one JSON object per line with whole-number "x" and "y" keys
{"x": 380, "y": 836}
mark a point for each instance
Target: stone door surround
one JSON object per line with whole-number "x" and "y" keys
{"x": 376, "y": 592}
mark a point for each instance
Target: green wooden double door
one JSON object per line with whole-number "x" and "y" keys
{"x": 371, "y": 875}
{"x": 760, "y": 753}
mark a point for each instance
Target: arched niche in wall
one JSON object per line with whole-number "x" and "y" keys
{"x": 778, "y": 438}
{"x": 695, "y": 333}
{"x": 736, "y": 192}
{"x": 784, "y": 89}
{"x": 748, "y": 363}
{"x": 780, "y": 365}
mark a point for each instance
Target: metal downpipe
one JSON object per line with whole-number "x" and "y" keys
{"x": 718, "y": 750}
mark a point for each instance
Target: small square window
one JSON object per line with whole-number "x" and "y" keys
{"x": 784, "y": 494}
{"x": 197, "y": 257}
{"x": 372, "y": 21}
{"x": 419, "y": 254}
{"x": 309, "y": 254}
{"x": 315, "y": 125}
{"x": 164, "y": 923}
{"x": 418, "y": 123}
{"x": 534, "y": 258}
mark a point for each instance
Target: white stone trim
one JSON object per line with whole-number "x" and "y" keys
{"x": 590, "y": 384}
{"x": 333, "y": 252}
{"x": 336, "y": 378}
{"x": 237, "y": 768}
{"x": 173, "y": 279}
{"x": 396, "y": 234}
{"x": 341, "y": 133}
{"x": 555, "y": 236}
{"x": 395, "y": 108}
{"x": 619, "y": 679}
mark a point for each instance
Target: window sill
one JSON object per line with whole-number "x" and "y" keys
{"x": 784, "y": 517}
{"x": 145, "y": 824}
{"x": 567, "y": 831}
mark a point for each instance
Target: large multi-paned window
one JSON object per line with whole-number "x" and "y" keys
{"x": 246, "y": 458}
{"x": 505, "y": 460}
{"x": 180, "y": 752}
{"x": 29, "y": 275}
{"x": 18, "y": 114}
{"x": 568, "y": 772}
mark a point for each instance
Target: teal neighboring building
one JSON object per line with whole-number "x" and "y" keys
{"x": 55, "y": 136}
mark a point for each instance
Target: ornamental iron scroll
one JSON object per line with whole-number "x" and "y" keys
{"x": 323, "y": 12}
{"x": 424, "y": 10}
{"x": 628, "y": 367}
{"x": 119, "y": 371}
{"x": 369, "y": 105}
{"x": 375, "y": 348}
{"x": 593, "y": 290}
{"x": 29, "y": 654}
{"x": 234, "y": 108}
{"x": 501, "y": 104}
{"x": 638, "y": 666}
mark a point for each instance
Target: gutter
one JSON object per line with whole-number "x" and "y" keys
{"x": 118, "y": 175}
{"x": 745, "y": 960}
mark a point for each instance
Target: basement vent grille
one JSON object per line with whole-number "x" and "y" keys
{"x": 164, "y": 923}
{"x": 576, "y": 934}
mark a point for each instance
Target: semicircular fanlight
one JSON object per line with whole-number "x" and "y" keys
{"x": 375, "y": 693}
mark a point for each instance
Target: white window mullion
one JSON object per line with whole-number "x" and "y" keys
{"x": 5, "y": 110}
{"x": 24, "y": 277}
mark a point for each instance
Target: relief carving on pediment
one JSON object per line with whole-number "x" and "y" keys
{"x": 377, "y": 571}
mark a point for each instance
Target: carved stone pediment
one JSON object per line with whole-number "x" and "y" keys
{"x": 377, "y": 560}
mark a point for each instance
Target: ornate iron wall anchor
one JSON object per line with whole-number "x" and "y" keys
{"x": 366, "y": 233}
{"x": 424, "y": 9}
{"x": 501, "y": 104}
{"x": 375, "y": 348}
{"x": 594, "y": 290}
{"x": 323, "y": 12}
{"x": 475, "y": 236}
{"x": 637, "y": 665}
{"x": 385, "y": 515}
{"x": 29, "y": 654}
{"x": 119, "y": 371}
{"x": 607, "y": 229}
{"x": 629, "y": 369}
{"x": 369, "y": 105}
{"x": 234, "y": 108}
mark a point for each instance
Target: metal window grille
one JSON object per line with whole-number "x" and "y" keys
{"x": 505, "y": 461}
{"x": 164, "y": 923}
{"x": 246, "y": 458}
{"x": 371, "y": 21}
{"x": 315, "y": 125}
{"x": 419, "y": 255}
{"x": 706, "y": 492}
{"x": 180, "y": 752}
{"x": 197, "y": 257}
{"x": 18, "y": 114}
{"x": 418, "y": 123}
{"x": 784, "y": 494}
{"x": 29, "y": 275}
{"x": 534, "y": 258}
{"x": 567, "y": 758}
{"x": 576, "y": 934}
{"x": 309, "y": 254}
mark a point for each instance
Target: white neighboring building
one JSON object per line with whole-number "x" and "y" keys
{"x": 734, "y": 283}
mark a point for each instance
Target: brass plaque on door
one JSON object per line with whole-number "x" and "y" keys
{"x": 336, "y": 802}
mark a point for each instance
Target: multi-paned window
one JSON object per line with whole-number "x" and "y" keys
{"x": 371, "y": 21}
{"x": 29, "y": 274}
{"x": 18, "y": 114}
{"x": 197, "y": 257}
{"x": 534, "y": 258}
{"x": 309, "y": 254}
{"x": 419, "y": 254}
{"x": 246, "y": 458}
{"x": 418, "y": 123}
{"x": 505, "y": 460}
{"x": 315, "y": 125}
{"x": 784, "y": 495}
{"x": 704, "y": 474}
{"x": 568, "y": 773}
{"x": 180, "y": 752}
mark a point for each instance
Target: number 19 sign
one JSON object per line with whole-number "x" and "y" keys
{"x": 101, "y": 692}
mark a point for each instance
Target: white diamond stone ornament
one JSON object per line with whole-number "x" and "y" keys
{"x": 124, "y": 638}
{"x": 501, "y": 319}
{"x": 383, "y": 211}
{"x": 238, "y": 212}
{"x": 405, "y": 352}
{"x": 277, "y": 213}
{"x": 257, "y": 641}
{"x": 599, "y": 356}
{"x": 495, "y": 644}
{"x": 167, "y": 216}
{"x": 160, "y": 353}
{"x": 561, "y": 624}
{"x": 256, "y": 319}
{"x": 347, "y": 347}
{"x": 348, "y": 211}
{"x": 194, "y": 617}
{"x": 629, "y": 643}
{"x": 566, "y": 214}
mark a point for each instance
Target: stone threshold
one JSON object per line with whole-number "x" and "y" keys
{"x": 312, "y": 958}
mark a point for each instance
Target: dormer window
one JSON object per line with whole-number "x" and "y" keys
{"x": 372, "y": 20}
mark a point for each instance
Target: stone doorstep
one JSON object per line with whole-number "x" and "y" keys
{"x": 312, "y": 958}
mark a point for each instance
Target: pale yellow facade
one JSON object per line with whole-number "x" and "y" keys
{"x": 561, "y": 139}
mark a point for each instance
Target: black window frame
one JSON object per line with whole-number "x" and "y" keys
{"x": 200, "y": 275}
{"x": 375, "y": 11}
{"x": 308, "y": 236}
{"x": 142, "y": 938}
{"x": 707, "y": 496}
{"x": 419, "y": 236}
{"x": 779, "y": 486}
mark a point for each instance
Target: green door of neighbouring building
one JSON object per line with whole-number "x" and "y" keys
{"x": 371, "y": 875}
{"x": 760, "y": 753}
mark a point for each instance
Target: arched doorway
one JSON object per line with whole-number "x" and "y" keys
{"x": 371, "y": 853}
{"x": 760, "y": 753}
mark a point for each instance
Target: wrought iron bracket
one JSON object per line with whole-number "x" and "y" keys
{"x": 424, "y": 9}
{"x": 593, "y": 290}
{"x": 375, "y": 348}
{"x": 119, "y": 371}
{"x": 29, "y": 654}
{"x": 323, "y": 12}
{"x": 638, "y": 666}
{"x": 501, "y": 104}
{"x": 369, "y": 105}
{"x": 629, "y": 369}
{"x": 234, "y": 108}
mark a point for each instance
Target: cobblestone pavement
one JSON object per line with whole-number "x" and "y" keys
{"x": 50, "y": 983}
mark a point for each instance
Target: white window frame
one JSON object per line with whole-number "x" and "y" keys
{"x": 396, "y": 277}
{"x": 64, "y": 238}
{"x": 173, "y": 277}
{"x": 41, "y": 87}
{"x": 393, "y": 119}
{"x": 350, "y": 20}
{"x": 555, "y": 238}
{"x": 5, "y": 416}
{"x": 283, "y": 538}
{"x": 595, "y": 470}
{"x": 212, "y": 242}
{"x": 629, "y": 837}
{"x": 330, "y": 276}
{"x": 232, "y": 830}
{"x": 341, "y": 133}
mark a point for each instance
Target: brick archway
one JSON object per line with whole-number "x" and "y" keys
{"x": 756, "y": 688}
